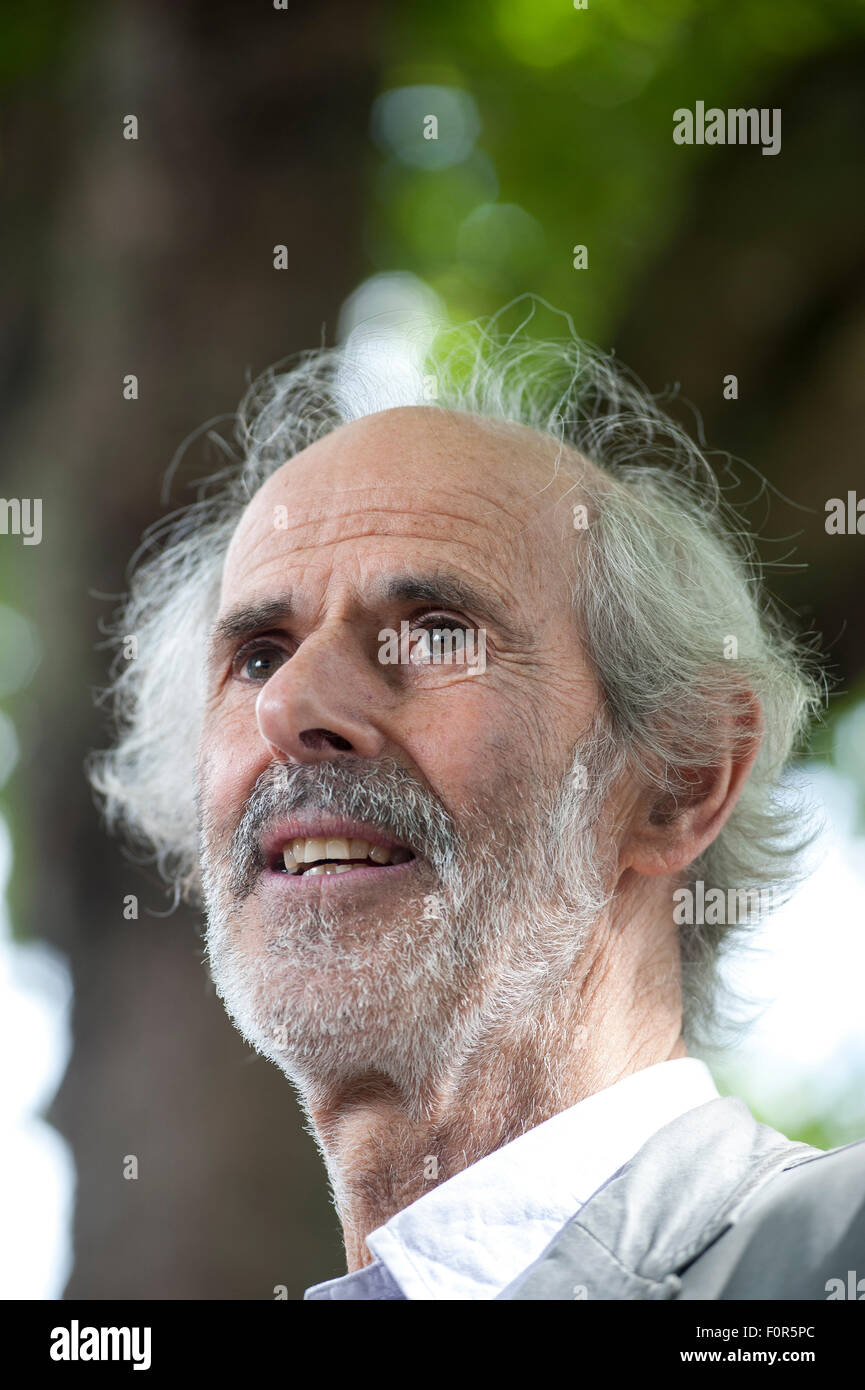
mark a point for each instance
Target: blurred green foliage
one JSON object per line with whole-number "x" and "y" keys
{"x": 575, "y": 143}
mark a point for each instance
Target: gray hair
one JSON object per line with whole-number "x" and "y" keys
{"x": 667, "y": 573}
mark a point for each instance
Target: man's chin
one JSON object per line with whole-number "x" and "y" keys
{"x": 330, "y": 993}
{"x": 334, "y": 1022}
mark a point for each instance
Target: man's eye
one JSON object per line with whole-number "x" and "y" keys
{"x": 257, "y": 663}
{"x": 440, "y": 638}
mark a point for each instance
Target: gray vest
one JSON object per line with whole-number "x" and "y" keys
{"x": 714, "y": 1206}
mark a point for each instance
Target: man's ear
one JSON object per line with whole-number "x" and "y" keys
{"x": 668, "y": 830}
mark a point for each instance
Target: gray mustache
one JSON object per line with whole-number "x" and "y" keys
{"x": 383, "y": 794}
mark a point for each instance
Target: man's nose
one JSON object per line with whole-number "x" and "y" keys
{"x": 321, "y": 703}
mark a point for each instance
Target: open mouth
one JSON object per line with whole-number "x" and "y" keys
{"x": 310, "y": 857}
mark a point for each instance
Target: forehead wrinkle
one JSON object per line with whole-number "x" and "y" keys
{"x": 324, "y": 515}
{"x": 394, "y": 515}
{"x": 331, "y": 530}
{"x": 402, "y": 500}
{"x": 471, "y": 565}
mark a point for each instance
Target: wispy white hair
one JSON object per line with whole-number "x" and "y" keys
{"x": 666, "y": 574}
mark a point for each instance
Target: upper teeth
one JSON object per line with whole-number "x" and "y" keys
{"x": 307, "y": 851}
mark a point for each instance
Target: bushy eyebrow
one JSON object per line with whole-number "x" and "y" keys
{"x": 246, "y": 620}
{"x": 439, "y": 588}
{"x": 446, "y": 590}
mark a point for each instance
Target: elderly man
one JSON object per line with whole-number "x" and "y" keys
{"x": 478, "y": 682}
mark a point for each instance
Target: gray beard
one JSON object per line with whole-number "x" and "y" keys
{"x": 470, "y": 963}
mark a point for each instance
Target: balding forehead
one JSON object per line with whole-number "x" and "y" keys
{"x": 433, "y": 428}
{"x": 450, "y": 447}
{"x": 447, "y": 477}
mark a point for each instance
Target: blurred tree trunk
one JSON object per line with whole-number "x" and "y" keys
{"x": 155, "y": 257}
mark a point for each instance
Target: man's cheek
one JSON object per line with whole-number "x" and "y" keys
{"x": 453, "y": 744}
{"x": 231, "y": 760}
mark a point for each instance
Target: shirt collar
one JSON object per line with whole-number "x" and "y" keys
{"x": 473, "y": 1234}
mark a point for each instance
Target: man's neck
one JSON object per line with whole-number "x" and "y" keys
{"x": 381, "y": 1159}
